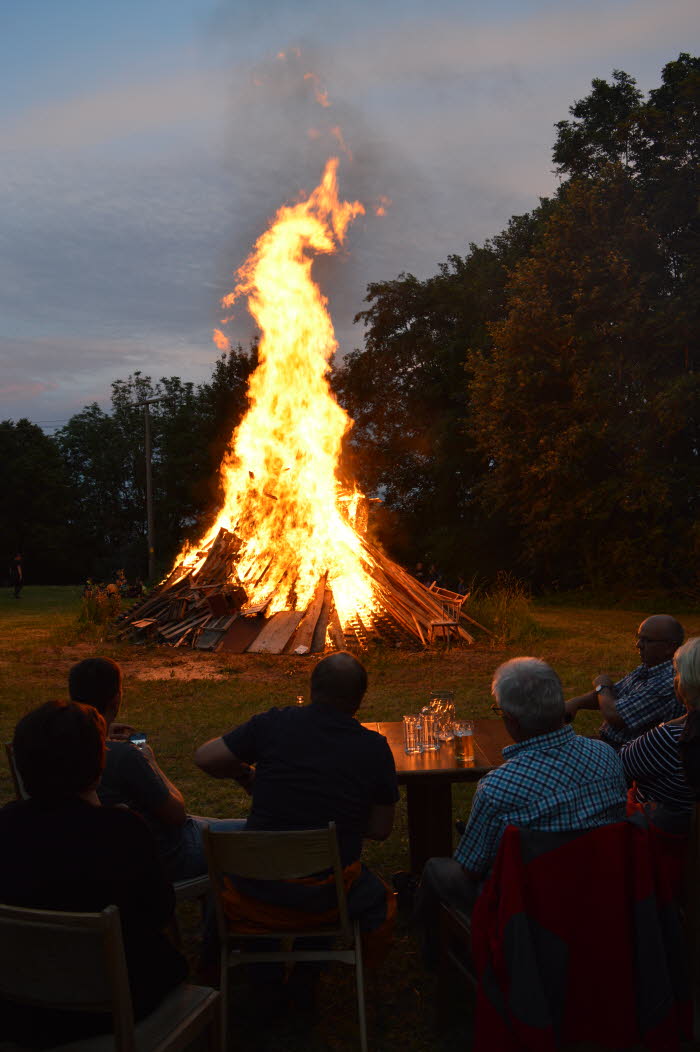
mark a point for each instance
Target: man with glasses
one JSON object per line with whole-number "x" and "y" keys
{"x": 644, "y": 697}
{"x": 552, "y": 780}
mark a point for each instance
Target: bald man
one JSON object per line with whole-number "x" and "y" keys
{"x": 644, "y": 697}
{"x": 308, "y": 765}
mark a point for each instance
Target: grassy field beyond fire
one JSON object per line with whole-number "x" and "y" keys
{"x": 181, "y": 698}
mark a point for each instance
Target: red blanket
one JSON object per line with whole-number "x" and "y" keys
{"x": 576, "y": 937}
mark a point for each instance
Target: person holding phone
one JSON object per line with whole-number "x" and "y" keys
{"x": 132, "y": 775}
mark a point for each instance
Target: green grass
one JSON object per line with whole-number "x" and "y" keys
{"x": 41, "y": 639}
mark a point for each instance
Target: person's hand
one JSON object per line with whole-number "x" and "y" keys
{"x": 603, "y": 680}
{"x": 120, "y": 732}
{"x": 246, "y": 779}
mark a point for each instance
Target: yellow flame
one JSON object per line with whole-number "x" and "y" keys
{"x": 281, "y": 489}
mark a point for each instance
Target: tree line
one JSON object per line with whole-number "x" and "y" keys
{"x": 532, "y": 407}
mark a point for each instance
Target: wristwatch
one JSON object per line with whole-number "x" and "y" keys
{"x": 603, "y": 686}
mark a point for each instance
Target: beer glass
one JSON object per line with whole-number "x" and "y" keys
{"x": 464, "y": 742}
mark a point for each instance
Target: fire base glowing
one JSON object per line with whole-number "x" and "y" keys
{"x": 286, "y": 541}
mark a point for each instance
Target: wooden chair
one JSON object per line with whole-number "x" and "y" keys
{"x": 76, "y": 961}
{"x": 185, "y": 890}
{"x": 284, "y": 855}
{"x": 448, "y": 624}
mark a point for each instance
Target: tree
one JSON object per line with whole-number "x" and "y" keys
{"x": 408, "y": 393}
{"x": 38, "y": 514}
{"x": 602, "y": 129}
{"x": 580, "y": 409}
{"x": 105, "y": 459}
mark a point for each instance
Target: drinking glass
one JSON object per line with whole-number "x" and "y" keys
{"x": 411, "y": 735}
{"x": 442, "y": 705}
{"x": 464, "y": 742}
{"x": 430, "y": 726}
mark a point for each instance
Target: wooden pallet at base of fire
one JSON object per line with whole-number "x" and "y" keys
{"x": 207, "y": 610}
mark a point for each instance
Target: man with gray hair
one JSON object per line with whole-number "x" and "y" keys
{"x": 553, "y": 780}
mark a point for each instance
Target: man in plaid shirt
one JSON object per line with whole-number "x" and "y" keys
{"x": 644, "y": 697}
{"x": 553, "y": 780}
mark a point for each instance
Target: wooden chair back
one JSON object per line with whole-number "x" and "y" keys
{"x": 74, "y": 961}
{"x": 282, "y": 855}
{"x": 20, "y": 792}
{"x": 277, "y": 855}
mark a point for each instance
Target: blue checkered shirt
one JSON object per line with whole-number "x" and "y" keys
{"x": 555, "y": 783}
{"x": 643, "y": 698}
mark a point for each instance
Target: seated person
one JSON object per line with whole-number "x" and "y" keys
{"x": 655, "y": 761}
{"x": 133, "y": 777}
{"x": 553, "y": 780}
{"x": 63, "y": 851}
{"x": 315, "y": 764}
{"x": 644, "y": 697}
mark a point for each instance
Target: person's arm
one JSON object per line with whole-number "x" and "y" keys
{"x": 478, "y": 847}
{"x": 380, "y": 822}
{"x": 171, "y": 812}
{"x": 143, "y": 784}
{"x": 216, "y": 759}
{"x": 604, "y": 700}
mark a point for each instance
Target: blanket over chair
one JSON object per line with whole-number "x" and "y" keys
{"x": 576, "y": 937}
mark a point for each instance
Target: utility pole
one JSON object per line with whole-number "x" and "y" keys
{"x": 150, "y": 533}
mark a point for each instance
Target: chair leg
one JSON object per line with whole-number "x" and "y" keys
{"x": 215, "y": 1035}
{"x": 360, "y": 981}
{"x": 224, "y": 990}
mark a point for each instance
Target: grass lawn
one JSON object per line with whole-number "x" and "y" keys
{"x": 181, "y": 698}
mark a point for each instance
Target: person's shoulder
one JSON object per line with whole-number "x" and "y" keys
{"x": 598, "y": 751}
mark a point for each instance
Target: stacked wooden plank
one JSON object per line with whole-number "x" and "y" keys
{"x": 209, "y": 610}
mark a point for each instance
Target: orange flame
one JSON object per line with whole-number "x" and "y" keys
{"x": 282, "y": 496}
{"x": 384, "y": 203}
{"x": 320, "y": 95}
{"x": 337, "y": 134}
{"x": 220, "y": 340}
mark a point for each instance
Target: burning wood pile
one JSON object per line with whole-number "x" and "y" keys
{"x": 287, "y": 566}
{"x": 210, "y": 610}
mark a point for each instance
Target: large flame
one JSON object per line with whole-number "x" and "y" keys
{"x": 282, "y": 496}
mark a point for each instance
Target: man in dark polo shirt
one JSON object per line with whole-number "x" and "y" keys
{"x": 307, "y": 766}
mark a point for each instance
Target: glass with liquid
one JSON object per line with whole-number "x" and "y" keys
{"x": 464, "y": 742}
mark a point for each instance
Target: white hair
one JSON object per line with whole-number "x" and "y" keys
{"x": 686, "y": 662}
{"x": 529, "y": 691}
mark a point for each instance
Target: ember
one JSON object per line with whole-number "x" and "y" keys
{"x": 286, "y": 566}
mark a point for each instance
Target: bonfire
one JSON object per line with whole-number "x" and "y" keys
{"x": 287, "y": 566}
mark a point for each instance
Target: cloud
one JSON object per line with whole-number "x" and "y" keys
{"x": 127, "y": 209}
{"x": 116, "y": 112}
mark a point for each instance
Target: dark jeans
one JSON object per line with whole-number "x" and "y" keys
{"x": 443, "y": 881}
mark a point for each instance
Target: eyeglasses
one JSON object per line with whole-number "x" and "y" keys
{"x": 647, "y": 641}
{"x": 497, "y": 709}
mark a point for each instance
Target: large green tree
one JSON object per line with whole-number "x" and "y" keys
{"x": 105, "y": 457}
{"x": 38, "y": 513}
{"x": 583, "y": 407}
{"x": 408, "y": 393}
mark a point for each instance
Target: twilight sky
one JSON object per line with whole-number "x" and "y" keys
{"x": 146, "y": 143}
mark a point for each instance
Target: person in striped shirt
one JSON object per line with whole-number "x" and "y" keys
{"x": 654, "y": 761}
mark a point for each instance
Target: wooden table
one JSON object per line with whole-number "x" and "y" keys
{"x": 428, "y": 778}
